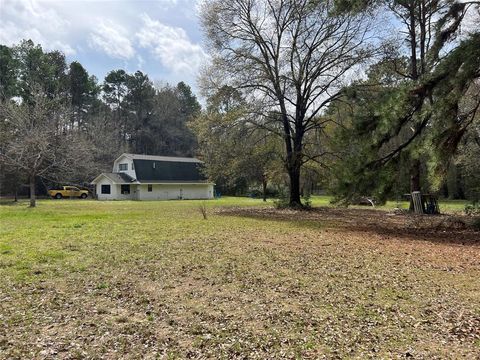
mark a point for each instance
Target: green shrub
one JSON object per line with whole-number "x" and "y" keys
{"x": 282, "y": 202}
{"x": 307, "y": 201}
{"x": 473, "y": 208}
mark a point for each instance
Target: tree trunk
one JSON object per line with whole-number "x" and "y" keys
{"x": 414, "y": 180}
{"x": 423, "y": 34}
{"x": 415, "y": 176}
{"x": 294, "y": 174}
{"x": 264, "y": 187}
{"x": 413, "y": 43}
{"x": 33, "y": 201}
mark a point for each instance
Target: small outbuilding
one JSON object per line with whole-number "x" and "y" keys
{"x": 147, "y": 177}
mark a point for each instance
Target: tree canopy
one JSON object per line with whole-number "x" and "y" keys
{"x": 375, "y": 97}
{"x": 61, "y": 124}
{"x": 290, "y": 59}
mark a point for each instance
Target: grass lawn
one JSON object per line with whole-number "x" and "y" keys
{"x": 89, "y": 279}
{"x": 445, "y": 205}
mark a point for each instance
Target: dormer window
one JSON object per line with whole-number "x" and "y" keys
{"x": 122, "y": 167}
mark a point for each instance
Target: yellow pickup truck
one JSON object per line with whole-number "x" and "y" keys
{"x": 68, "y": 192}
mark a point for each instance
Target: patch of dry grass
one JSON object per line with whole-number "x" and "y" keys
{"x": 156, "y": 280}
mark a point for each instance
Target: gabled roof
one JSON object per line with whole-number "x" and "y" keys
{"x": 116, "y": 178}
{"x": 154, "y": 170}
{"x": 159, "y": 158}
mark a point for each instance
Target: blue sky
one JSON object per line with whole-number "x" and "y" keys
{"x": 159, "y": 37}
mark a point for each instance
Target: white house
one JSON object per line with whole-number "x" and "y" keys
{"x": 147, "y": 177}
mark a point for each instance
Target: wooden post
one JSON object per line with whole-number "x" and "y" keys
{"x": 417, "y": 202}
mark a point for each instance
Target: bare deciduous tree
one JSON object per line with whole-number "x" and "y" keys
{"x": 292, "y": 56}
{"x": 36, "y": 140}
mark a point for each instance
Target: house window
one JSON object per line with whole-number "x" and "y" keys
{"x": 150, "y": 186}
{"x": 105, "y": 189}
{"x": 122, "y": 167}
{"x": 125, "y": 189}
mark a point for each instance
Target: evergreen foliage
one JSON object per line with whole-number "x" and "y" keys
{"x": 411, "y": 116}
{"x": 126, "y": 113}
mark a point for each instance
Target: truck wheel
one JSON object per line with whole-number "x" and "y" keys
{"x": 58, "y": 196}
{"x": 83, "y": 196}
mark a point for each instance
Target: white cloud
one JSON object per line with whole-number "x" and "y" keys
{"x": 27, "y": 19}
{"x": 471, "y": 20}
{"x": 169, "y": 3}
{"x": 171, "y": 45}
{"x": 165, "y": 43}
{"x": 112, "y": 39}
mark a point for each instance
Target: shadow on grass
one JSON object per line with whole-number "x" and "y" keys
{"x": 11, "y": 202}
{"x": 442, "y": 229}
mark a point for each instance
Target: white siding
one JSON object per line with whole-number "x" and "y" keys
{"x": 115, "y": 191}
{"x": 125, "y": 160}
{"x": 159, "y": 191}
{"x": 172, "y": 192}
{"x": 133, "y": 193}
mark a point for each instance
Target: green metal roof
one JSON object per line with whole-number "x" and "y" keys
{"x": 169, "y": 171}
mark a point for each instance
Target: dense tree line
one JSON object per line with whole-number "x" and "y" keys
{"x": 370, "y": 98}
{"x": 60, "y": 124}
{"x": 377, "y": 98}
{"x": 239, "y": 158}
{"x": 412, "y": 124}
{"x": 289, "y": 58}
